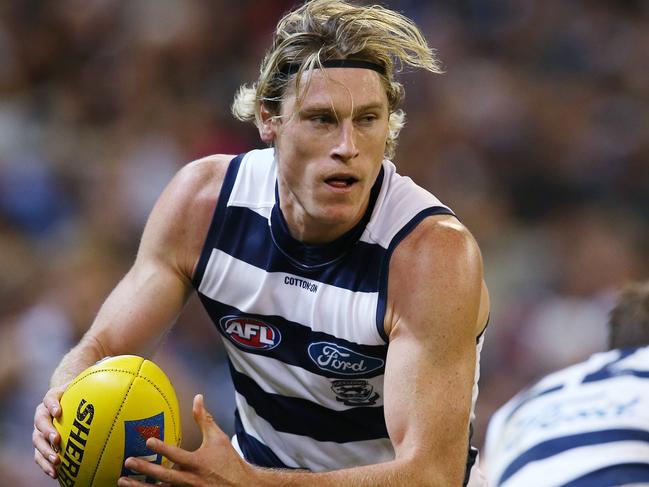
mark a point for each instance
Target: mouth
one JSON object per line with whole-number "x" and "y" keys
{"x": 341, "y": 182}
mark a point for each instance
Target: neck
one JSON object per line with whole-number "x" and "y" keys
{"x": 310, "y": 229}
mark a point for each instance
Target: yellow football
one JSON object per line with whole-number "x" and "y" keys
{"x": 109, "y": 411}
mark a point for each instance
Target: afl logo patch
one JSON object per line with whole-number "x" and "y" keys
{"x": 250, "y": 333}
{"x": 136, "y": 433}
{"x": 340, "y": 360}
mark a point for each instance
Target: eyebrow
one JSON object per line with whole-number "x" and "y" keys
{"x": 318, "y": 109}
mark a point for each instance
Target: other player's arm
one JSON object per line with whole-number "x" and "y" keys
{"x": 146, "y": 302}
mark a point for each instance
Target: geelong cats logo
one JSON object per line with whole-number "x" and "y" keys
{"x": 250, "y": 333}
{"x": 334, "y": 358}
{"x": 354, "y": 392}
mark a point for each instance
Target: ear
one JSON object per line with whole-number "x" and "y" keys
{"x": 268, "y": 125}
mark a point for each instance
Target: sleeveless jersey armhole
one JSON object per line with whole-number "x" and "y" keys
{"x": 385, "y": 267}
{"x": 217, "y": 218}
{"x": 484, "y": 329}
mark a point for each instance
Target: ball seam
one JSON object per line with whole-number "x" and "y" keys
{"x": 79, "y": 379}
{"x": 110, "y": 432}
{"x": 171, "y": 410}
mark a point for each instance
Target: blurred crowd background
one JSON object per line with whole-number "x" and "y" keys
{"x": 537, "y": 135}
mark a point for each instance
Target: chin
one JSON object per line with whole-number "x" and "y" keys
{"x": 339, "y": 215}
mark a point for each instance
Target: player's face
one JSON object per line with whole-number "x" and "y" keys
{"x": 329, "y": 148}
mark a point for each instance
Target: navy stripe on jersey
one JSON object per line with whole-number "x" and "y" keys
{"x": 470, "y": 461}
{"x": 608, "y": 372}
{"x": 301, "y": 417}
{"x": 383, "y": 286}
{"x": 293, "y": 347}
{"x": 614, "y": 374}
{"x": 254, "y": 451}
{"x": 559, "y": 445}
{"x": 626, "y": 473}
{"x": 357, "y": 271}
{"x": 218, "y": 218}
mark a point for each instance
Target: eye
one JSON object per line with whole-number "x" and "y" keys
{"x": 322, "y": 119}
{"x": 368, "y": 118}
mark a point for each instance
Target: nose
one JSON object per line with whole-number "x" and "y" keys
{"x": 345, "y": 148}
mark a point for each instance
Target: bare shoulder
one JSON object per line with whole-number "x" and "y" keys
{"x": 179, "y": 222}
{"x": 201, "y": 179}
{"x": 437, "y": 270}
{"x": 439, "y": 242}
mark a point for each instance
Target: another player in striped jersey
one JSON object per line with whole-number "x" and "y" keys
{"x": 350, "y": 300}
{"x": 586, "y": 425}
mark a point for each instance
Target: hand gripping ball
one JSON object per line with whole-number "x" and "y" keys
{"x": 108, "y": 412}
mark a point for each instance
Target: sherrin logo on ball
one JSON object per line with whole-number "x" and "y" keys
{"x": 108, "y": 412}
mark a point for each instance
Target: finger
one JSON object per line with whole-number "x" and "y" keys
{"x": 176, "y": 455}
{"x": 45, "y": 465}
{"x": 205, "y": 420}
{"x": 52, "y": 401}
{"x": 128, "y": 482}
{"x": 44, "y": 447}
{"x": 43, "y": 424}
{"x": 158, "y": 472}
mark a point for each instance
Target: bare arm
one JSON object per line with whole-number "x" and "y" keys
{"x": 432, "y": 353}
{"x": 146, "y": 302}
{"x": 434, "y": 314}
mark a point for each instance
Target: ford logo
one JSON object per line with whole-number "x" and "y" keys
{"x": 340, "y": 360}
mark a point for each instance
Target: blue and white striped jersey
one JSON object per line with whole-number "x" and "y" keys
{"x": 303, "y": 324}
{"x": 583, "y": 426}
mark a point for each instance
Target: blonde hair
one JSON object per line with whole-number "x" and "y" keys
{"x": 334, "y": 29}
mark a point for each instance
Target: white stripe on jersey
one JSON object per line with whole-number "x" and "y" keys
{"x": 315, "y": 455}
{"x": 476, "y": 377}
{"x": 575, "y": 463}
{"x": 342, "y": 313}
{"x": 399, "y": 200}
{"x": 255, "y": 189}
{"x": 291, "y": 381}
